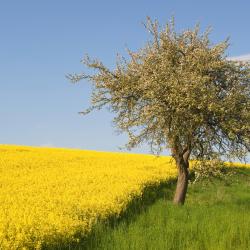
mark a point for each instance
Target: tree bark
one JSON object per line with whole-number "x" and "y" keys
{"x": 182, "y": 162}
{"x": 181, "y": 188}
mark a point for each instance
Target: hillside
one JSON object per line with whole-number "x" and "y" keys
{"x": 54, "y": 198}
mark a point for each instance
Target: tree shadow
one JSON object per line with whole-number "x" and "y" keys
{"x": 138, "y": 205}
{"x": 151, "y": 193}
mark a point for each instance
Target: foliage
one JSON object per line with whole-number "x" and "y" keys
{"x": 205, "y": 169}
{"x": 214, "y": 168}
{"x": 179, "y": 92}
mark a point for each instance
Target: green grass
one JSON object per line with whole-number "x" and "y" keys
{"x": 216, "y": 215}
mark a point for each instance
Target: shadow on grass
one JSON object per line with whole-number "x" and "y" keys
{"x": 138, "y": 205}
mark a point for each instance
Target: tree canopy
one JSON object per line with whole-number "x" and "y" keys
{"x": 178, "y": 92}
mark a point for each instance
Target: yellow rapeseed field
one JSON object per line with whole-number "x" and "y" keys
{"x": 57, "y": 195}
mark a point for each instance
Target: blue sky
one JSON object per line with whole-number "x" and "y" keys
{"x": 42, "y": 41}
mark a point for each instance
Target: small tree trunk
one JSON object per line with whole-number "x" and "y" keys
{"x": 182, "y": 184}
{"x": 182, "y": 162}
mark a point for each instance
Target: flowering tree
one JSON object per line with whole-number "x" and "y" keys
{"x": 178, "y": 92}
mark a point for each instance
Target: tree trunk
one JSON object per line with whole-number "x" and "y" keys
{"x": 181, "y": 188}
{"x": 182, "y": 162}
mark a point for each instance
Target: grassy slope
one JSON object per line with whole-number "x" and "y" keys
{"x": 216, "y": 216}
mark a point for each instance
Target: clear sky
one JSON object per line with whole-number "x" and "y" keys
{"x": 42, "y": 41}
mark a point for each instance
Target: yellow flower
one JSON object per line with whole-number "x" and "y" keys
{"x": 53, "y": 195}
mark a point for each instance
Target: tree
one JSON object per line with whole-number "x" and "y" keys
{"x": 178, "y": 92}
